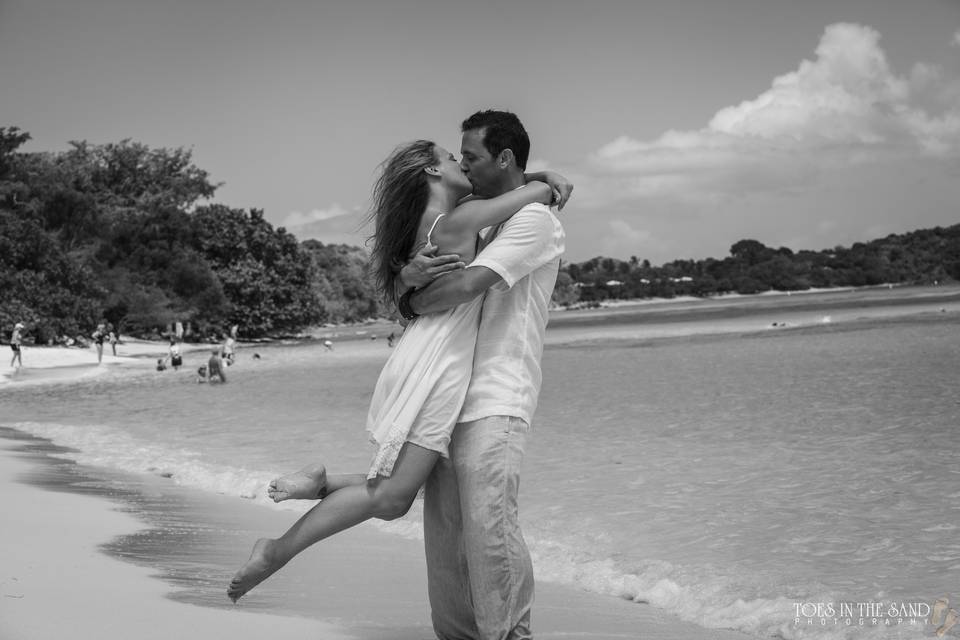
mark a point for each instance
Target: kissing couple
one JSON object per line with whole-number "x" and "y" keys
{"x": 452, "y": 408}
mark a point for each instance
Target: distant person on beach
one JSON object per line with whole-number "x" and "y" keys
{"x": 228, "y": 350}
{"x": 328, "y": 345}
{"x": 16, "y": 341}
{"x": 215, "y": 367}
{"x": 391, "y": 338}
{"x": 174, "y": 356}
{"x": 98, "y": 338}
{"x": 480, "y": 579}
{"x": 113, "y": 342}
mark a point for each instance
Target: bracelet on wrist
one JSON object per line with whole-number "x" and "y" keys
{"x": 403, "y": 306}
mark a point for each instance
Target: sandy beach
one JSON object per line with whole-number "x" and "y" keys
{"x": 73, "y": 362}
{"x": 367, "y": 584}
{"x": 55, "y": 584}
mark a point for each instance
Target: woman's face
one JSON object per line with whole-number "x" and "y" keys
{"x": 451, "y": 174}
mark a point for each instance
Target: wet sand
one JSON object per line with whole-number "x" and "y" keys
{"x": 83, "y": 553}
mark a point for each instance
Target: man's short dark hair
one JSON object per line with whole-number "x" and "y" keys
{"x": 501, "y": 130}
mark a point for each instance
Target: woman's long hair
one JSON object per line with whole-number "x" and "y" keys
{"x": 400, "y": 197}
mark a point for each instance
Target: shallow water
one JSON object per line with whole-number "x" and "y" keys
{"x": 725, "y": 478}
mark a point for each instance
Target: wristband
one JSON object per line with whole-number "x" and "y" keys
{"x": 403, "y": 306}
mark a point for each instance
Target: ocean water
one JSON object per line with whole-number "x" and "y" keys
{"x": 773, "y": 481}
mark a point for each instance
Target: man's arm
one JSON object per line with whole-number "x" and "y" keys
{"x": 527, "y": 241}
{"x": 424, "y": 268}
{"x": 453, "y": 289}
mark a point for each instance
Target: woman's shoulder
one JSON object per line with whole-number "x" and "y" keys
{"x": 428, "y": 226}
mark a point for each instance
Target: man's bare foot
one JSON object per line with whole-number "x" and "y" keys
{"x": 305, "y": 484}
{"x": 263, "y": 562}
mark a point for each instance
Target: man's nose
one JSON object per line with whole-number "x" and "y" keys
{"x": 464, "y": 167}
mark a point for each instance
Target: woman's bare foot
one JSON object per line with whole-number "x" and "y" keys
{"x": 951, "y": 619}
{"x": 263, "y": 562}
{"x": 305, "y": 484}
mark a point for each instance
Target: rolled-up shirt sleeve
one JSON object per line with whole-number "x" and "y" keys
{"x": 528, "y": 240}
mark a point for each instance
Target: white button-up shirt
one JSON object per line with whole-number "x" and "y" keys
{"x": 525, "y": 252}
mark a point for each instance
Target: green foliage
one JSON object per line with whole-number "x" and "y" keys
{"x": 113, "y": 232}
{"x": 918, "y": 257}
{"x": 345, "y": 286}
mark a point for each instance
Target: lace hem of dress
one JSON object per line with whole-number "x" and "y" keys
{"x": 386, "y": 456}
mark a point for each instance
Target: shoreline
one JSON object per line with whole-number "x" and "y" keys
{"x": 83, "y": 360}
{"x": 367, "y": 584}
{"x": 644, "y": 320}
{"x": 54, "y": 584}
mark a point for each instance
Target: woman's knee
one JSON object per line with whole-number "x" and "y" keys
{"x": 391, "y": 503}
{"x": 394, "y": 508}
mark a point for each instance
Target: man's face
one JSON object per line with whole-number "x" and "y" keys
{"x": 479, "y": 166}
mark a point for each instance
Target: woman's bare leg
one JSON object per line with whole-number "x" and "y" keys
{"x": 385, "y": 498}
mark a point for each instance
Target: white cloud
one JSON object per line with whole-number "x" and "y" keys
{"x": 844, "y": 108}
{"x": 956, "y": 39}
{"x": 829, "y": 153}
{"x": 623, "y": 231}
{"x": 298, "y": 218}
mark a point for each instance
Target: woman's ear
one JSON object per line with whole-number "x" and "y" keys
{"x": 433, "y": 171}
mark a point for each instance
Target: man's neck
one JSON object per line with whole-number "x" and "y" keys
{"x": 510, "y": 182}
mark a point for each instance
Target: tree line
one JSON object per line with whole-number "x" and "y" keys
{"x": 115, "y": 233}
{"x": 925, "y": 256}
{"x": 126, "y": 234}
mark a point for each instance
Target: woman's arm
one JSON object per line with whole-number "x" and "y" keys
{"x": 425, "y": 266}
{"x": 562, "y": 188}
{"x": 474, "y": 215}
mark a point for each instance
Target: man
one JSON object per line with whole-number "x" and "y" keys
{"x": 214, "y": 369}
{"x": 480, "y": 577}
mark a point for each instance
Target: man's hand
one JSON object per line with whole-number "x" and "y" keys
{"x": 425, "y": 267}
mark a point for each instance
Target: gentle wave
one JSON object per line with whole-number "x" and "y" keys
{"x": 711, "y": 601}
{"x": 115, "y": 449}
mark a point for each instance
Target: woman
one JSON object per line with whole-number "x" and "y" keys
{"x": 422, "y": 386}
{"x": 174, "y": 355}
{"x": 98, "y": 337}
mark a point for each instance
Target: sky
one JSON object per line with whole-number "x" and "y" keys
{"x": 685, "y": 125}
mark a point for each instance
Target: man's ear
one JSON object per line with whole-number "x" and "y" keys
{"x": 506, "y": 158}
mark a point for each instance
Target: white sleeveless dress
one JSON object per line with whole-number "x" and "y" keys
{"x": 422, "y": 386}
